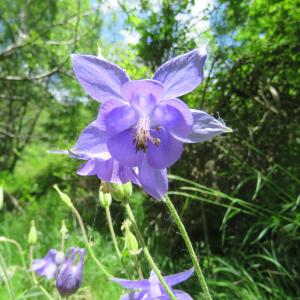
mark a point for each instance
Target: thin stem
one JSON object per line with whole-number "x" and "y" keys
{"x": 6, "y": 279}
{"x": 112, "y": 231}
{"x": 114, "y": 239}
{"x": 189, "y": 246}
{"x": 18, "y": 246}
{"x": 87, "y": 243}
{"x": 147, "y": 253}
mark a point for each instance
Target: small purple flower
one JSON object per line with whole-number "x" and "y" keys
{"x": 152, "y": 288}
{"x": 56, "y": 266}
{"x": 47, "y": 266}
{"x": 142, "y": 124}
{"x": 69, "y": 277}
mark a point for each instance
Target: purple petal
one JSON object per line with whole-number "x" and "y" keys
{"x": 87, "y": 169}
{"x": 166, "y": 153}
{"x": 142, "y": 94}
{"x": 91, "y": 143}
{"x": 132, "y": 284}
{"x": 134, "y": 296}
{"x": 111, "y": 171}
{"x": 179, "y": 277}
{"x": 69, "y": 278}
{"x": 153, "y": 181}
{"x": 45, "y": 266}
{"x": 181, "y": 295}
{"x": 175, "y": 116}
{"x": 122, "y": 148}
{"x": 205, "y": 127}
{"x": 115, "y": 117}
{"x": 101, "y": 79}
{"x": 181, "y": 74}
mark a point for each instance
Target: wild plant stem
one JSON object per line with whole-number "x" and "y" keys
{"x": 112, "y": 231}
{"x": 146, "y": 251}
{"x": 189, "y": 246}
{"x": 18, "y": 246}
{"x": 6, "y": 279}
{"x": 114, "y": 239}
{"x": 87, "y": 243}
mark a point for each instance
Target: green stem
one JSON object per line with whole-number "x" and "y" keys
{"x": 189, "y": 246}
{"x": 114, "y": 239}
{"x": 147, "y": 253}
{"x": 112, "y": 231}
{"x": 6, "y": 278}
{"x": 18, "y": 246}
{"x": 87, "y": 243}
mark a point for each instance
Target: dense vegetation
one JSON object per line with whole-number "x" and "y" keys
{"x": 238, "y": 194}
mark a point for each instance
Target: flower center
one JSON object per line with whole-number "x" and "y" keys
{"x": 142, "y": 135}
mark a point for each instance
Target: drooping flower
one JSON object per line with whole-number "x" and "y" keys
{"x": 69, "y": 277}
{"x": 151, "y": 288}
{"x": 55, "y": 265}
{"x": 47, "y": 266}
{"x": 143, "y": 121}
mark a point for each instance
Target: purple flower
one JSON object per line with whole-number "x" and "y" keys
{"x": 47, "y": 266}
{"x": 141, "y": 123}
{"x": 69, "y": 277}
{"x": 152, "y": 288}
{"x": 56, "y": 266}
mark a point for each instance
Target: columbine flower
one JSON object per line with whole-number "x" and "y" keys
{"x": 152, "y": 288}
{"x": 69, "y": 277}
{"x": 56, "y": 266}
{"x": 47, "y": 266}
{"x": 143, "y": 121}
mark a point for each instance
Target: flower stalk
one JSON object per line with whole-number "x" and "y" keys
{"x": 65, "y": 198}
{"x": 146, "y": 251}
{"x": 189, "y": 246}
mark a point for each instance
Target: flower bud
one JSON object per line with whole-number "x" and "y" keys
{"x": 104, "y": 199}
{"x": 32, "y": 235}
{"x": 1, "y": 197}
{"x": 64, "y": 197}
{"x": 63, "y": 230}
{"x": 69, "y": 277}
{"x": 131, "y": 243}
{"x": 121, "y": 192}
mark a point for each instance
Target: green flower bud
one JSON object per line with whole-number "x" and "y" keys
{"x": 104, "y": 198}
{"x": 64, "y": 197}
{"x": 32, "y": 236}
{"x": 121, "y": 192}
{"x": 1, "y": 197}
{"x": 63, "y": 230}
{"x": 131, "y": 243}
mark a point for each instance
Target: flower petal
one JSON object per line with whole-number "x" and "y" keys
{"x": 182, "y": 74}
{"x": 132, "y": 284}
{"x": 115, "y": 117}
{"x": 90, "y": 144}
{"x": 101, "y": 79}
{"x": 111, "y": 171}
{"x": 142, "y": 94}
{"x": 122, "y": 148}
{"x": 134, "y": 296}
{"x": 87, "y": 169}
{"x": 166, "y": 153}
{"x": 181, "y": 295}
{"x": 179, "y": 277}
{"x": 175, "y": 116}
{"x": 153, "y": 181}
{"x": 205, "y": 127}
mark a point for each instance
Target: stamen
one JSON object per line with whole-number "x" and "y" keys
{"x": 142, "y": 135}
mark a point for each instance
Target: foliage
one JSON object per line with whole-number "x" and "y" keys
{"x": 238, "y": 195}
